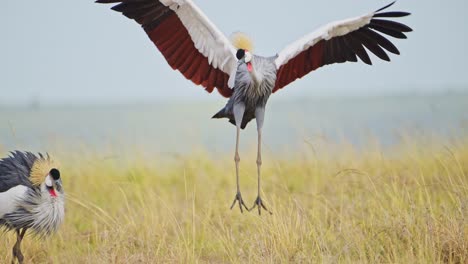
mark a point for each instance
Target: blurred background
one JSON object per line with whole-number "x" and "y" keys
{"x": 76, "y": 74}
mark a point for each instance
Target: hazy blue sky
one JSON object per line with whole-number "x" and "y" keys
{"x": 79, "y": 51}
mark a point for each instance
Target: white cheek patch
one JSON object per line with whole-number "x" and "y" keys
{"x": 248, "y": 56}
{"x": 48, "y": 181}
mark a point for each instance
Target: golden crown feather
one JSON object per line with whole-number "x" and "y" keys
{"x": 242, "y": 41}
{"x": 41, "y": 169}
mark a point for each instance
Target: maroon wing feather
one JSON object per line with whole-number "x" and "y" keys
{"x": 169, "y": 35}
{"x": 345, "y": 48}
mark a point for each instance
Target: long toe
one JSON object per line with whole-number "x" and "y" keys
{"x": 17, "y": 255}
{"x": 260, "y": 205}
{"x": 238, "y": 199}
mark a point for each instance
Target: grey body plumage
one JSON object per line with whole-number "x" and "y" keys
{"x": 36, "y": 211}
{"x": 31, "y": 194}
{"x": 251, "y": 88}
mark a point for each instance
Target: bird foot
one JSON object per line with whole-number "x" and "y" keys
{"x": 259, "y": 204}
{"x": 238, "y": 199}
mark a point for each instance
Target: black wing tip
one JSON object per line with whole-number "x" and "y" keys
{"x": 366, "y": 59}
{"x": 119, "y": 7}
{"x": 403, "y": 13}
{"x": 107, "y": 1}
{"x": 392, "y": 14}
{"x": 385, "y": 7}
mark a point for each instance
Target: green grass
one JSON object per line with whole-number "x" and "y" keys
{"x": 405, "y": 205}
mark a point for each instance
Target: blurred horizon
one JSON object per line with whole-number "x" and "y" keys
{"x": 37, "y": 102}
{"x": 184, "y": 127}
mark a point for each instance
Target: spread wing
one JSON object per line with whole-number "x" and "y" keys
{"x": 188, "y": 40}
{"x": 340, "y": 42}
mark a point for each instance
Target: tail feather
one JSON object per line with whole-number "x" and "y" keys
{"x": 220, "y": 114}
{"x": 224, "y": 114}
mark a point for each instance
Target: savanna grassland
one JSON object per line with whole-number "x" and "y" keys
{"x": 331, "y": 204}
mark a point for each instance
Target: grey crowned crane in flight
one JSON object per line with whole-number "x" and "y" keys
{"x": 193, "y": 45}
{"x": 31, "y": 196}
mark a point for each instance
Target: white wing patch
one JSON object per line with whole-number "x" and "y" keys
{"x": 8, "y": 199}
{"x": 334, "y": 29}
{"x": 208, "y": 40}
{"x": 232, "y": 78}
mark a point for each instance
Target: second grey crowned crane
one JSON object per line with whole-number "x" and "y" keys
{"x": 193, "y": 45}
{"x": 31, "y": 196}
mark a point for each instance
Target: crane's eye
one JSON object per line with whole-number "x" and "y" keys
{"x": 240, "y": 54}
{"x": 55, "y": 174}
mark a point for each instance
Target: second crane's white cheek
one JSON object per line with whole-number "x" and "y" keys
{"x": 48, "y": 181}
{"x": 50, "y": 186}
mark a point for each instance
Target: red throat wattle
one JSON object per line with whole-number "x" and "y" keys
{"x": 52, "y": 192}
{"x": 249, "y": 66}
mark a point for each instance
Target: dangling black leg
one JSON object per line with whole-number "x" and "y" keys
{"x": 17, "y": 247}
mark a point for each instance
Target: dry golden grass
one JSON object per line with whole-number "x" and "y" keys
{"x": 408, "y": 205}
